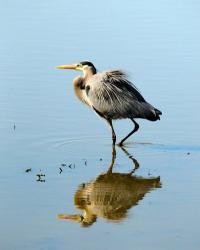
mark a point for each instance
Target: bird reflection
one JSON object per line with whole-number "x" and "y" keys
{"x": 111, "y": 195}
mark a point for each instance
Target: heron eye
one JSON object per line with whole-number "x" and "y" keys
{"x": 79, "y": 65}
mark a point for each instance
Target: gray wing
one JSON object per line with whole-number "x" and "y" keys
{"x": 113, "y": 96}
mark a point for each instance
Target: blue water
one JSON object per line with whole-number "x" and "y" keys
{"x": 42, "y": 125}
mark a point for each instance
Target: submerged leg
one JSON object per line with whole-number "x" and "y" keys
{"x": 113, "y": 132}
{"x": 113, "y": 160}
{"x": 133, "y": 131}
{"x": 135, "y": 162}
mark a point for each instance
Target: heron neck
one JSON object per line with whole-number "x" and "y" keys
{"x": 87, "y": 74}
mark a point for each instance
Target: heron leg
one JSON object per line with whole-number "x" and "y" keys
{"x": 133, "y": 131}
{"x": 109, "y": 122}
{"x": 113, "y": 132}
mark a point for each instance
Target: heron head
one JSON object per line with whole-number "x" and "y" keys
{"x": 82, "y": 66}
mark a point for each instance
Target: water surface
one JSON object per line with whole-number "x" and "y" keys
{"x": 44, "y": 128}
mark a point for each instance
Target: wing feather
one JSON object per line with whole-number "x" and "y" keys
{"x": 112, "y": 95}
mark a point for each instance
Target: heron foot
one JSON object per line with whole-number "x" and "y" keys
{"x": 120, "y": 144}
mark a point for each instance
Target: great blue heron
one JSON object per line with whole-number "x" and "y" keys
{"x": 111, "y": 95}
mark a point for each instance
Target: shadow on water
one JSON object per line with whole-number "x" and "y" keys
{"x": 110, "y": 195}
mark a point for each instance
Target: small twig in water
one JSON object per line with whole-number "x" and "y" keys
{"x": 28, "y": 170}
{"x": 63, "y": 165}
{"x": 70, "y": 166}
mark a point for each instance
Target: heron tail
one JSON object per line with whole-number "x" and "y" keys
{"x": 158, "y": 113}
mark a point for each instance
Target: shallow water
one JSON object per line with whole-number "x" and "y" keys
{"x": 68, "y": 149}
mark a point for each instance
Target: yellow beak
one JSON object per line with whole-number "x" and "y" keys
{"x": 72, "y": 66}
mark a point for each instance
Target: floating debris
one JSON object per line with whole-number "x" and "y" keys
{"x": 28, "y": 170}
{"x": 40, "y": 179}
{"x": 85, "y": 162}
{"x": 14, "y": 126}
{"x": 101, "y": 159}
{"x": 70, "y": 166}
{"x": 40, "y": 175}
{"x": 63, "y": 165}
{"x": 149, "y": 173}
{"x": 188, "y": 153}
{"x": 60, "y": 170}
